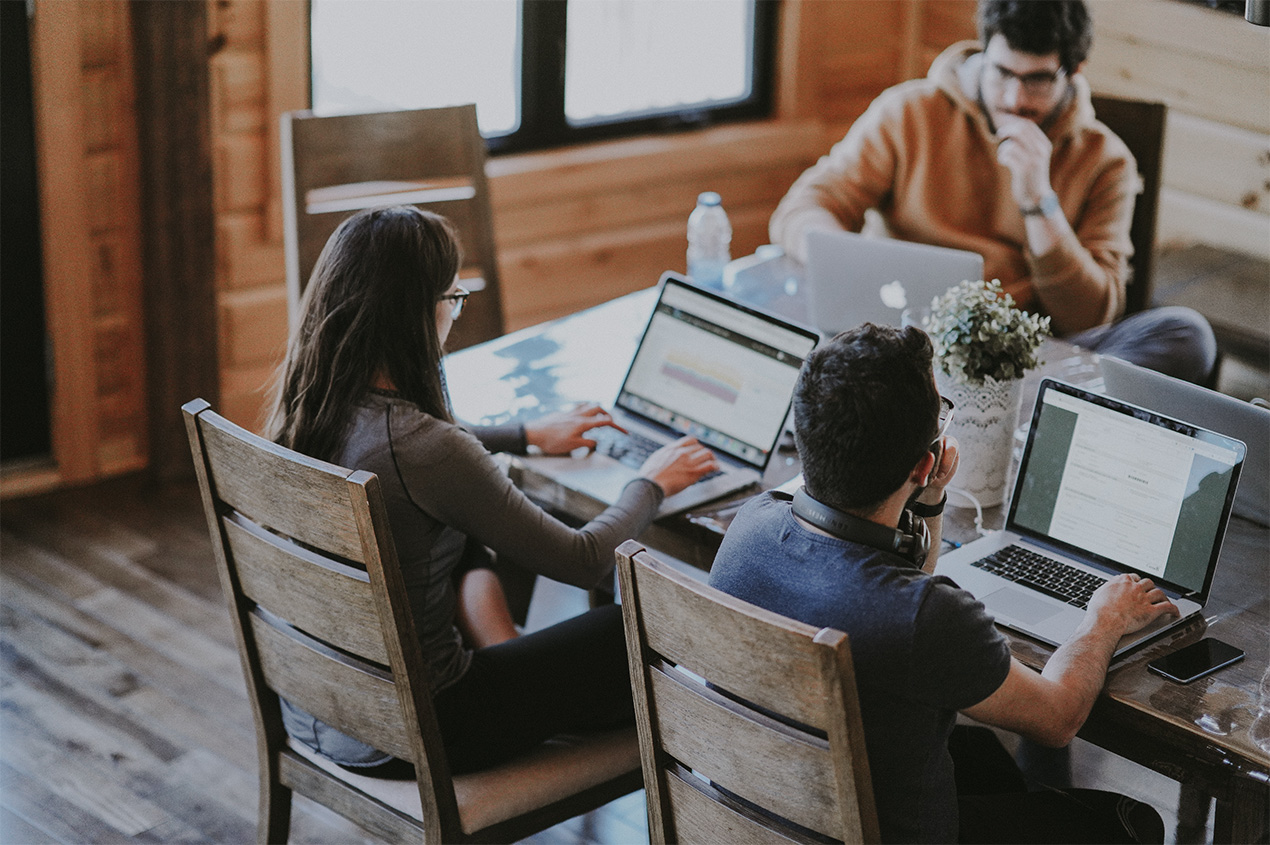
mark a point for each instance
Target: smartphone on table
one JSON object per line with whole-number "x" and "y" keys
{"x": 1196, "y": 660}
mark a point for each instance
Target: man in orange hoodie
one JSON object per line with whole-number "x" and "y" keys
{"x": 998, "y": 151}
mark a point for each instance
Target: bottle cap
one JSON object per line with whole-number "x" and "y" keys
{"x": 708, "y": 198}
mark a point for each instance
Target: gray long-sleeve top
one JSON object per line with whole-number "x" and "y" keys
{"x": 442, "y": 486}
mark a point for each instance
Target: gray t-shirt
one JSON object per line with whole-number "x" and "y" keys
{"x": 922, "y": 649}
{"x": 442, "y": 487}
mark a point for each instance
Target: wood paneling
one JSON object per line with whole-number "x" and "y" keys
{"x": 81, "y": 68}
{"x": 1213, "y": 71}
{"x": 173, "y": 116}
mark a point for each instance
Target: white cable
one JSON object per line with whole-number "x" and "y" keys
{"x": 983, "y": 532}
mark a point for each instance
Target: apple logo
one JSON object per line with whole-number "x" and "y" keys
{"x": 893, "y": 295}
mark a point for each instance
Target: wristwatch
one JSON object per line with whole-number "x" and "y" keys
{"x": 1046, "y": 207}
{"x": 928, "y": 511}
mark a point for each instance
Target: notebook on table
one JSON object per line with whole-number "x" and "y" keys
{"x": 1103, "y": 488}
{"x": 705, "y": 366}
{"x": 1210, "y": 409}
{"x": 854, "y": 279}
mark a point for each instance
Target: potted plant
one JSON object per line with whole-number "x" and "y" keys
{"x": 983, "y": 347}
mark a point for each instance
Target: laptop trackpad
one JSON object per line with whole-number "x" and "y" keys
{"x": 1018, "y": 606}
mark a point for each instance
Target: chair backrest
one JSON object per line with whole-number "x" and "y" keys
{"x": 749, "y": 723}
{"x": 1140, "y": 125}
{"x": 430, "y": 158}
{"x": 318, "y": 605}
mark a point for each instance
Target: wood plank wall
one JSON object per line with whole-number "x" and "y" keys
{"x": 1213, "y": 71}
{"x": 573, "y": 226}
{"x": 87, "y": 148}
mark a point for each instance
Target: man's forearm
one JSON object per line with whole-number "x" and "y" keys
{"x": 1079, "y": 667}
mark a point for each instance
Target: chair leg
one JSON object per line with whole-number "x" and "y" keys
{"x": 275, "y": 809}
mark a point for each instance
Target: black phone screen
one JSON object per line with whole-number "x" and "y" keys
{"x": 1196, "y": 660}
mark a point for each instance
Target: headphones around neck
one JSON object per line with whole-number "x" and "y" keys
{"x": 910, "y": 541}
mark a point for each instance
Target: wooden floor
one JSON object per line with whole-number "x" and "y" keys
{"x": 124, "y": 717}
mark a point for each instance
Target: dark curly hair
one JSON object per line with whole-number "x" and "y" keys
{"x": 1040, "y": 27}
{"x": 865, "y": 412}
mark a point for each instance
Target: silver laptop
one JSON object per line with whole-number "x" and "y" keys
{"x": 1103, "y": 487}
{"x": 854, "y": 279}
{"x": 1210, "y": 409}
{"x": 706, "y": 366}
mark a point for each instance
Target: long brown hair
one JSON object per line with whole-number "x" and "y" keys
{"x": 369, "y": 308}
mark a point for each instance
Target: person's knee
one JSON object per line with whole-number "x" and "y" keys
{"x": 1195, "y": 343}
{"x": 1173, "y": 340}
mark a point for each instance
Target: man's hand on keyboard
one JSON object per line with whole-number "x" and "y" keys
{"x": 562, "y": 432}
{"x": 1130, "y": 603}
{"x": 679, "y": 465}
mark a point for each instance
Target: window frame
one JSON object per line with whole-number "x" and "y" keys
{"x": 543, "y": 124}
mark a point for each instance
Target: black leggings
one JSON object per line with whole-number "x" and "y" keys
{"x": 568, "y": 678}
{"x": 995, "y": 805}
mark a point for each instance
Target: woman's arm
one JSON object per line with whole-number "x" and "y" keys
{"x": 454, "y": 479}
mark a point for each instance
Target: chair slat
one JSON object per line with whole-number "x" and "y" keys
{"x": 357, "y": 700}
{"x": 701, "y": 634}
{"x": 780, "y": 768}
{"x": 700, "y": 815}
{"x": 299, "y": 498}
{"x": 346, "y": 149}
{"x": 310, "y": 592}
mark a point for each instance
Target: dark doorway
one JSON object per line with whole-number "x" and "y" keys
{"x": 24, "y": 364}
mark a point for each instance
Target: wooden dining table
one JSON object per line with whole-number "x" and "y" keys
{"x": 1212, "y": 736}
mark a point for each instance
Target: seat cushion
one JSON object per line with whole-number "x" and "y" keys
{"x": 556, "y": 769}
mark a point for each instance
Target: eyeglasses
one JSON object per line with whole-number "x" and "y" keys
{"x": 946, "y": 409}
{"x": 1037, "y": 84}
{"x": 460, "y": 298}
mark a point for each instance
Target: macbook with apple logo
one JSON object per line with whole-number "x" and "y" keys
{"x": 853, "y": 279}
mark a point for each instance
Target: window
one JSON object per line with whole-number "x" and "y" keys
{"x": 547, "y": 72}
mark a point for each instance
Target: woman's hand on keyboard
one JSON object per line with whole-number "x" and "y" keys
{"x": 1130, "y": 602}
{"x": 679, "y": 465}
{"x": 562, "y": 432}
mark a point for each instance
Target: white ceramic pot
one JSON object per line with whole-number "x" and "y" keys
{"x": 983, "y": 424}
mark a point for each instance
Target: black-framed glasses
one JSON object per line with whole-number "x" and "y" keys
{"x": 460, "y": 299}
{"x": 1037, "y": 84}
{"x": 946, "y": 409}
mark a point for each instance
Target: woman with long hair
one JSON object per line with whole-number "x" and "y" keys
{"x": 363, "y": 387}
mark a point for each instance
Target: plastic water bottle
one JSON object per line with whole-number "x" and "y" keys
{"x": 709, "y": 241}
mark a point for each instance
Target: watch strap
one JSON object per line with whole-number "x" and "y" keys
{"x": 1046, "y": 207}
{"x": 928, "y": 511}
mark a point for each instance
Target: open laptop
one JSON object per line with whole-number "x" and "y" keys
{"x": 706, "y": 366}
{"x": 854, "y": 279}
{"x": 1104, "y": 487}
{"x": 1210, "y": 409}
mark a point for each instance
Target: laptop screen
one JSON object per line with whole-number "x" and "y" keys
{"x": 716, "y": 370}
{"x": 1126, "y": 486}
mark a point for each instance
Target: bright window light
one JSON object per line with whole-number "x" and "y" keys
{"x": 639, "y": 57}
{"x": 384, "y": 55}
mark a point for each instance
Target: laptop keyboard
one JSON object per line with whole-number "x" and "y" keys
{"x": 1043, "y": 574}
{"x": 631, "y": 449}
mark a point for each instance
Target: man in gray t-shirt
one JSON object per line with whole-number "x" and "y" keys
{"x": 849, "y": 551}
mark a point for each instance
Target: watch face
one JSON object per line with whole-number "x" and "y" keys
{"x": 1049, "y": 203}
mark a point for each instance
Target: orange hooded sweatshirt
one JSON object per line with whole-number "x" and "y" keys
{"x": 924, "y": 156}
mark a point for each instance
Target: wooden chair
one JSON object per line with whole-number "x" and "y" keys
{"x": 1140, "y": 125}
{"x": 734, "y": 704}
{"x": 321, "y": 617}
{"x": 430, "y": 158}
